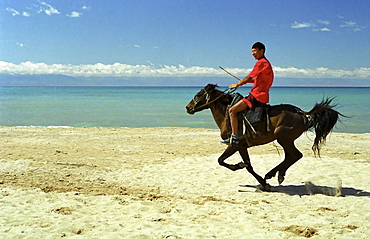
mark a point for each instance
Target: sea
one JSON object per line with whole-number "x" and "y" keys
{"x": 133, "y": 107}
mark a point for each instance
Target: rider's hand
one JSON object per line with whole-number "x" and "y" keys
{"x": 232, "y": 86}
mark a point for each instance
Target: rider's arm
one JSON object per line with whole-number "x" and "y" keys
{"x": 243, "y": 81}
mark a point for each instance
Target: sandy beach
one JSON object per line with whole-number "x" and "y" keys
{"x": 166, "y": 183}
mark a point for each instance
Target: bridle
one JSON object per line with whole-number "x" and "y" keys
{"x": 207, "y": 96}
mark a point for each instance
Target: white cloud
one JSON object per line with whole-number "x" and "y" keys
{"x": 137, "y": 46}
{"x": 323, "y": 25}
{"x": 323, "y": 22}
{"x": 297, "y": 25}
{"x": 19, "y": 44}
{"x": 13, "y": 11}
{"x": 43, "y": 7}
{"x": 47, "y": 9}
{"x": 74, "y": 14}
{"x": 324, "y": 29}
{"x": 124, "y": 70}
{"x": 352, "y": 26}
{"x": 313, "y": 26}
{"x": 322, "y": 72}
{"x": 349, "y": 24}
{"x": 86, "y": 8}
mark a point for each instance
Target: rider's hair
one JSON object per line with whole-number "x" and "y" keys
{"x": 259, "y": 46}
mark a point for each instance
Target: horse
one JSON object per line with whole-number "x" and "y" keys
{"x": 286, "y": 123}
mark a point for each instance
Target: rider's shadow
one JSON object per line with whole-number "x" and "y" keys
{"x": 302, "y": 190}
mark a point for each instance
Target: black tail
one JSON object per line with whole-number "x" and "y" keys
{"x": 322, "y": 120}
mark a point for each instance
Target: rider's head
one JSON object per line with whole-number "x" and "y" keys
{"x": 258, "y": 50}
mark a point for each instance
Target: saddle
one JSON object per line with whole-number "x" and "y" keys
{"x": 254, "y": 122}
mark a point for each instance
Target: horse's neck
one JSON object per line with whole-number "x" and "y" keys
{"x": 219, "y": 113}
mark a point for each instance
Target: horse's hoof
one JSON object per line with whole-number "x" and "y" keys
{"x": 267, "y": 176}
{"x": 281, "y": 179}
{"x": 242, "y": 165}
{"x": 270, "y": 175}
{"x": 267, "y": 188}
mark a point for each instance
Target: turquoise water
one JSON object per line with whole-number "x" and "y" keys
{"x": 154, "y": 106}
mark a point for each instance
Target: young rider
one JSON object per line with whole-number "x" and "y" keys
{"x": 262, "y": 76}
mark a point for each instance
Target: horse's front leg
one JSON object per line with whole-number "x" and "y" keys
{"x": 228, "y": 152}
{"x": 243, "y": 150}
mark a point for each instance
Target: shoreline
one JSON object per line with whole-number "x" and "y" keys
{"x": 97, "y": 127}
{"x": 165, "y": 182}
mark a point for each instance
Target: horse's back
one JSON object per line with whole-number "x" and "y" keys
{"x": 288, "y": 121}
{"x": 279, "y": 109}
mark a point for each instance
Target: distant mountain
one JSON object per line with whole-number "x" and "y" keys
{"x": 62, "y": 80}
{"x": 37, "y": 80}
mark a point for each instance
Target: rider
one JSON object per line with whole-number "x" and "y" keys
{"x": 262, "y": 76}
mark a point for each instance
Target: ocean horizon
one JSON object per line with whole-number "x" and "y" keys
{"x": 157, "y": 106}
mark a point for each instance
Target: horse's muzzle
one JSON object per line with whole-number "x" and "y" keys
{"x": 190, "y": 110}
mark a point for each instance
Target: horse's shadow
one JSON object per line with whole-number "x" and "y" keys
{"x": 302, "y": 190}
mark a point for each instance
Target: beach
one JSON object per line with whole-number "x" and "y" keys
{"x": 165, "y": 182}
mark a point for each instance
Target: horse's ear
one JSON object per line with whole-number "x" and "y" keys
{"x": 210, "y": 87}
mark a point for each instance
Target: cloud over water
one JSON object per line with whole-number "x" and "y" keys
{"x": 125, "y": 70}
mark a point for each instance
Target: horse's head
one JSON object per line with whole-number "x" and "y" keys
{"x": 204, "y": 98}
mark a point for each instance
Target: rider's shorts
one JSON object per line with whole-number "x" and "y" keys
{"x": 249, "y": 101}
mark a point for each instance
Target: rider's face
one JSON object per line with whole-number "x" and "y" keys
{"x": 257, "y": 54}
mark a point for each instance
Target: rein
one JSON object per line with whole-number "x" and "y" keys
{"x": 208, "y": 97}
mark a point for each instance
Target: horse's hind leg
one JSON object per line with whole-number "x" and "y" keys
{"x": 285, "y": 138}
{"x": 292, "y": 155}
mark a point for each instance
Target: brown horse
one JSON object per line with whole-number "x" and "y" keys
{"x": 287, "y": 123}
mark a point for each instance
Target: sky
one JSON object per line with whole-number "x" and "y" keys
{"x": 308, "y": 39}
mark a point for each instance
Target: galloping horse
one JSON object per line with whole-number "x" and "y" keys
{"x": 287, "y": 123}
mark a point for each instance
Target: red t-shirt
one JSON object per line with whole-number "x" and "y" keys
{"x": 263, "y": 76}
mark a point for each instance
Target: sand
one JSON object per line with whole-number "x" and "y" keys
{"x": 166, "y": 183}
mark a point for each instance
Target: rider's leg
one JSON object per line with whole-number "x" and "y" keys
{"x": 233, "y": 112}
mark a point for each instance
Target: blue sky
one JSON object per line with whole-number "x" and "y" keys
{"x": 164, "y": 38}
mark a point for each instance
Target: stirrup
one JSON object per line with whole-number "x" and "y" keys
{"x": 230, "y": 141}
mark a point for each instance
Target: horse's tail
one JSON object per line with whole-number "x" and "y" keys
{"x": 322, "y": 119}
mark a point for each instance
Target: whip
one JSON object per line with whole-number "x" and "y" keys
{"x": 229, "y": 73}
